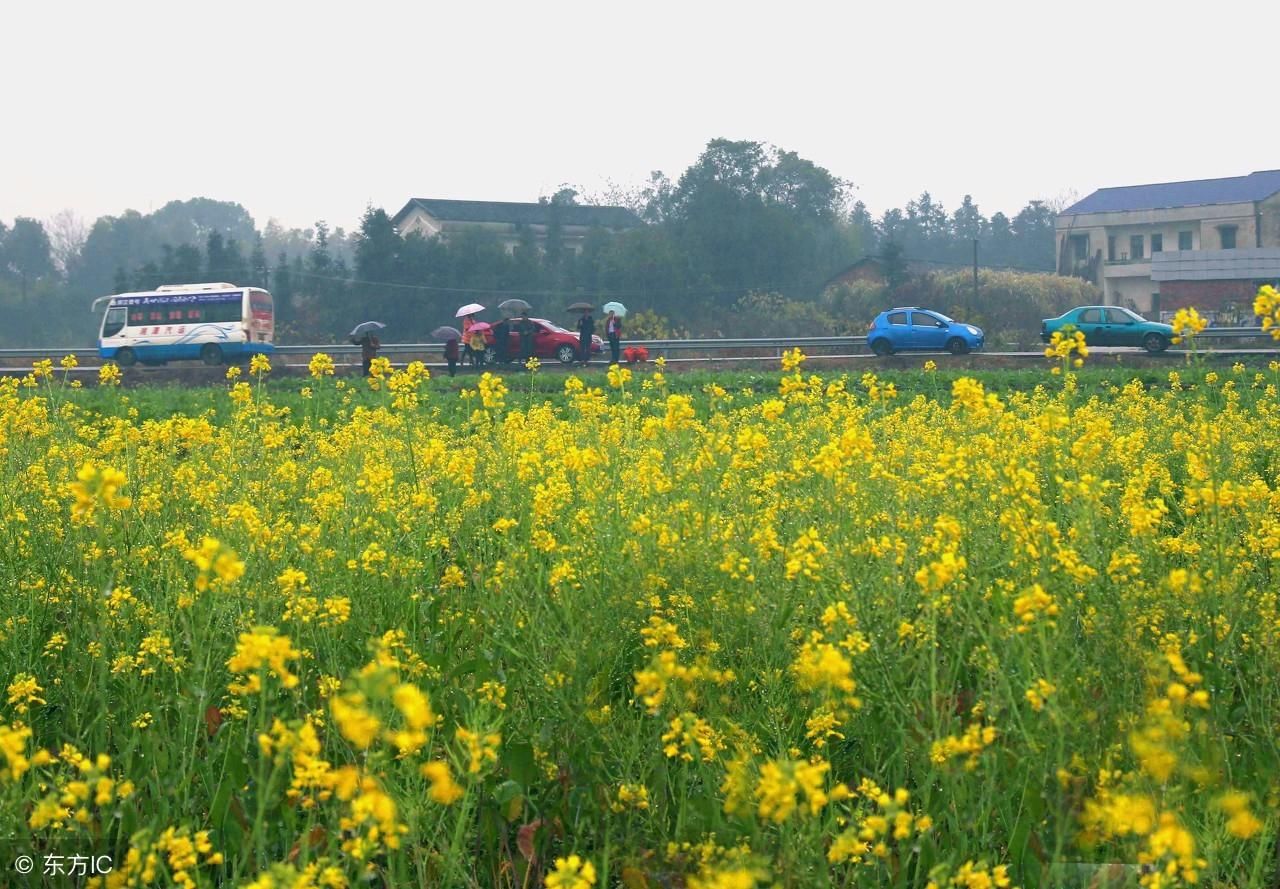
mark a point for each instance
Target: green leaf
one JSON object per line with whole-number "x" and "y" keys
{"x": 520, "y": 763}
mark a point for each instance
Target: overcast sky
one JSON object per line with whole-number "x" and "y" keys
{"x": 305, "y": 111}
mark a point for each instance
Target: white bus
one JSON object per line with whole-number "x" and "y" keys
{"x": 215, "y": 323}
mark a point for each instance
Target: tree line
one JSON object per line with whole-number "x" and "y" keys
{"x": 747, "y": 234}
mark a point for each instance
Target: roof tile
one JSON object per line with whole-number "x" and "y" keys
{"x": 513, "y": 213}
{"x": 1195, "y": 193}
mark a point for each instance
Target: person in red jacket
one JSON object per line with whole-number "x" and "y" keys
{"x": 451, "y": 355}
{"x": 613, "y": 330}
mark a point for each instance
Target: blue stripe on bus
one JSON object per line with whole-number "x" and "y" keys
{"x": 184, "y": 351}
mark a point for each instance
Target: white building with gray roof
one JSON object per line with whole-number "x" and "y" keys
{"x": 1157, "y": 248}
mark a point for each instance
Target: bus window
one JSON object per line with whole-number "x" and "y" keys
{"x": 260, "y": 305}
{"x": 113, "y": 323}
{"x": 136, "y": 317}
{"x": 193, "y": 314}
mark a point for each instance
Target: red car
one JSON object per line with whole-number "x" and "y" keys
{"x": 549, "y": 341}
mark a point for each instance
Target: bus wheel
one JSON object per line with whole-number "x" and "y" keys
{"x": 211, "y": 354}
{"x": 126, "y": 358}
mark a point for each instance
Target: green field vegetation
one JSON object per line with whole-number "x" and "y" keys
{"x": 917, "y": 628}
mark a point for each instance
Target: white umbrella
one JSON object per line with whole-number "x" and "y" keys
{"x": 469, "y": 309}
{"x": 616, "y": 307}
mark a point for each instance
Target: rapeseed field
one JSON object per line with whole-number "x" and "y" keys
{"x": 642, "y": 634}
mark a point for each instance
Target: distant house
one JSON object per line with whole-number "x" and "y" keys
{"x": 1156, "y": 248}
{"x": 438, "y": 218}
{"x": 872, "y": 269}
{"x": 869, "y": 268}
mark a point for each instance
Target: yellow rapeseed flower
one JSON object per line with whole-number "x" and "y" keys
{"x": 572, "y": 873}
{"x": 96, "y": 487}
{"x": 24, "y": 691}
{"x": 320, "y": 365}
{"x": 264, "y": 647}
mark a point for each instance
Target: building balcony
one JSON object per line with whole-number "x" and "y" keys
{"x": 1127, "y": 268}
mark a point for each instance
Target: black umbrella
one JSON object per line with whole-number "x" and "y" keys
{"x": 580, "y": 307}
{"x": 514, "y": 306}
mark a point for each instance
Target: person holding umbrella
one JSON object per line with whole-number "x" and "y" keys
{"x": 364, "y": 336}
{"x": 468, "y": 315}
{"x": 525, "y": 328}
{"x": 451, "y": 336}
{"x": 586, "y": 329}
{"x": 613, "y": 329}
{"x": 451, "y": 355}
{"x": 476, "y": 345}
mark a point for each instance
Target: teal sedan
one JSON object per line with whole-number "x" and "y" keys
{"x": 1111, "y": 326}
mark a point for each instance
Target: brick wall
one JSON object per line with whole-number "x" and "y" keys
{"x": 1206, "y": 295}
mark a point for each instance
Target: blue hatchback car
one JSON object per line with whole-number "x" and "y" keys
{"x": 923, "y": 330}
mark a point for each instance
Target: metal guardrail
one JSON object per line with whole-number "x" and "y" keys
{"x": 655, "y": 347}
{"x": 767, "y": 345}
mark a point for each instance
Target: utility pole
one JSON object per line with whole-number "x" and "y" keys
{"x": 974, "y": 308}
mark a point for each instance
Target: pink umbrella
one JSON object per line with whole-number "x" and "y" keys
{"x": 481, "y": 326}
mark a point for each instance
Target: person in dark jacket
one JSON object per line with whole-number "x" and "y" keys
{"x": 368, "y": 350}
{"x": 451, "y": 355}
{"x": 526, "y": 330}
{"x": 613, "y": 330}
{"x": 501, "y": 341}
{"x": 586, "y": 328}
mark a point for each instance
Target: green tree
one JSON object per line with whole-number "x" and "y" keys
{"x": 895, "y": 265}
{"x": 147, "y": 277}
{"x": 864, "y": 228}
{"x": 27, "y": 252}
{"x": 1033, "y": 236}
{"x": 192, "y": 221}
{"x": 1000, "y": 249}
{"x": 282, "y": 296}
{"x": 968, "y": 222}
{"x": 181, "y": 265}
{"x": 259, "y": 272}
{"x": 749, "y": 216}
{"x": 216, "y": 257}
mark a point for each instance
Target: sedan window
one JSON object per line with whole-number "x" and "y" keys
{"x": 1091, "y": 316}
{"x": 1120, "y": 316}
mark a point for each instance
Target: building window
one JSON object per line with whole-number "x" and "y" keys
{"x": 1157, "y": 243}
{"x": 1184, "y": 241}
{"x": 1111, "y": 248}
{"x": 1135, "y": 246}
{"x": 1228, "y": 235}
{"x": 1080, "y": 247}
